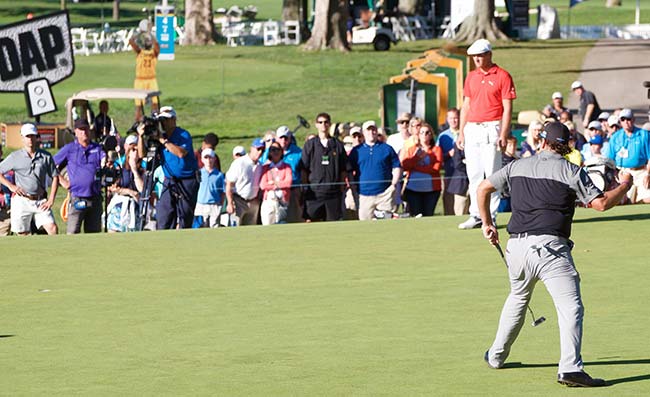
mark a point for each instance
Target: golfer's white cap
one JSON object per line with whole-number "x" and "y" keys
{"x": 368, "y": 124}
{"x": 167, "y": 112}
{"x": 238, "y": 150}
{"x": 28, "y": 129}
{"x": 603, "y": 116}
{"x": 557, "y": 95}
{"x": 131, "y": 140}
{"x": 480, "y": 46}
{"x": 576, "y": 84}
{"x": 612, "y": 120}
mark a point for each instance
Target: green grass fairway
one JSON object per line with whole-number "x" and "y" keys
{"x": 401, "y": 308}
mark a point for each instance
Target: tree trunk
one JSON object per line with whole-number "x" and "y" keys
{"x": 116, "y": 10}
{"x": 481, "y": 25}
{"x": 613, "y": 3}
{"x": 63, "y": 4}
{"x": 199, "y": 28}
{"x": 290, "y": 10}
{"x": 329, "y": 30}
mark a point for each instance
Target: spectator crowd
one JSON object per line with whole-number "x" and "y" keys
{"x": 345, "y": 171}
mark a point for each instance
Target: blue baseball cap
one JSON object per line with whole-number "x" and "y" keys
{"x": 258, "y": 143}
{"x": 596, "y": 140}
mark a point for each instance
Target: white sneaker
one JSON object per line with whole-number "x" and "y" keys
{"x": 471, "y": 223}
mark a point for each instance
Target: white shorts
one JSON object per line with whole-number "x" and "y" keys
{"x": 210, "y": 213}
{"x": 22, "y": 212}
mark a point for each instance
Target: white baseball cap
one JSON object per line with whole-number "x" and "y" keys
{"x": 208, "y": 152}
{"x": 480, "y": 46}
{"x": 368, "y": 124}
{"x": 576, "y": 84}
{"x": 282, "y": 130}
{"x": 28, "y": 129}
{"x": 131, "y": 140}
{"x": 613, "y": 120}
{"x": 238, "y": 150}
{"x": 626, "y": 113}
{"x": 355, "y": 130}
{"x": 557, "y": 95}
{"x": 595, "y": 124}
{"x": 166, "y": 112}
{"x": 603, "y": 116}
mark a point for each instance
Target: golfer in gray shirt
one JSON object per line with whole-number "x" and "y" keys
{"x": 31, "y": 166}
{"x": 543, "y": 190}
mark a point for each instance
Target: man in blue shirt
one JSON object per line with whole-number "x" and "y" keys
{"x": 629, "y": 147}
{"x": 175, "y": 207}
{"x": 83, "y": 159}
{"x": 377, "y": 168}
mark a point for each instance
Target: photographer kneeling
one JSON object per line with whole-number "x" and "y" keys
{"x": 123, "y": 207}
{"x": 175, "y": 208}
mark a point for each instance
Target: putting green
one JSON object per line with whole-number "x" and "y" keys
{"x": 403, "y": 307}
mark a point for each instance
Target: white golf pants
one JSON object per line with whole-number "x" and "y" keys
{"x": 546, "y": 258}
{"x": 482, "y": 159}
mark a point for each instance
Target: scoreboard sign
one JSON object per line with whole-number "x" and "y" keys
{"x": 34, "y": 49}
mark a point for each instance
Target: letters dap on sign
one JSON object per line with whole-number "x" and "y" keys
{"x": 38, "y": 48}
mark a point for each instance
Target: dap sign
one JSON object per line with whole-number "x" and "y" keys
{"x": 35, "y": 54}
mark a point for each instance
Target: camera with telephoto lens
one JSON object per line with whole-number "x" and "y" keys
{"x": 151, "y": 127}
{"x": 110, "y": 173}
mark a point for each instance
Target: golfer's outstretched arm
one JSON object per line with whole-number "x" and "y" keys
{"x": 611, "y": 198}
{"x": 485, "y": 190}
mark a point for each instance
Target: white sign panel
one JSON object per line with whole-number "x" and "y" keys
{"x": 38, "y": 48}
{"x": 39, "y": 98}
{"x": 404, "y": 102}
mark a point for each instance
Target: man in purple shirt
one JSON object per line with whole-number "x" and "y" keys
{"x": 83, "y": 159}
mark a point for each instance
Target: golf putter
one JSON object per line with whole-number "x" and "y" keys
{"x": 535, "y": 322}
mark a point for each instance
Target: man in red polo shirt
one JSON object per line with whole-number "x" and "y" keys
{"x": 484, "y": 123}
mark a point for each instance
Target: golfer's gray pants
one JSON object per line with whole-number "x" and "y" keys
{"x": 546, "y": 258}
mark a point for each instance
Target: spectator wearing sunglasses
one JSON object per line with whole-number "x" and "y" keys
{"x": 323, "y": 164}
{"x": 629, "y": 147}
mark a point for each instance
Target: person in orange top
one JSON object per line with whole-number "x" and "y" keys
{"x": 145, "y": 68}
{"x": 276, "y": 185}
{"x": 422, "y": 163}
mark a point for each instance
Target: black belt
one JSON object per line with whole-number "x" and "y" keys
{"x": 34, "y": 197}
{"x": 248, "y": 201}
{"x": 524, "y": 235}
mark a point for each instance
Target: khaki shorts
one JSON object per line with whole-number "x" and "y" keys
{"x": 145, "y": 84}
{"x": 384, "y": 201}
{"x": 23, "y": 210}
{"x": 638, "y": 192}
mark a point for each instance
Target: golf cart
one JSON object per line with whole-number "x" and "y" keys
{"x": 379, "y": 37}
{"x": 79, "y": 101}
